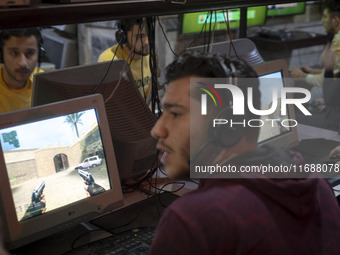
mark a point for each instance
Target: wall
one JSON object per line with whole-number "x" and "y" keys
{"x": 23, "y": 170}
{"x": 94, "y": 38}
{"x": 45, "y": 159}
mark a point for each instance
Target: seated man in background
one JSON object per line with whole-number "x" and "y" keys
{"x": 235, "y": 213}
{"x": 133, "y": 46}
{"x": 331, "y": 22}
{"x": 20, "y": 52}
{"x": 326, "y": 113}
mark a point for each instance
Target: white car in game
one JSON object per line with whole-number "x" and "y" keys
{"x": 90, "y": 162}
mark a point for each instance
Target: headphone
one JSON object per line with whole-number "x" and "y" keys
{"x": 35, "y": 32}
{"x": 125, "y": 25}
{"x": 121, "y": 35}
{"x": 225, "y": 135}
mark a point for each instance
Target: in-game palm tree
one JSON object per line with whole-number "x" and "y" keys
{"x": 74, "y": 119}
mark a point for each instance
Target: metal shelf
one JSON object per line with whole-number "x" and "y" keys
{"x": 69, "y": 13}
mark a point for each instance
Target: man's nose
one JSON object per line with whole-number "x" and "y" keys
{"x": 159, "y": 130}
{"x": 22, "y": 60}
{"x": 146, "y": 40}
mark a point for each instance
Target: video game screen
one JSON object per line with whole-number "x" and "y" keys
{"x": 286, "y": 9}
{"x": 54, "y": 162}
{"x": 202, "y": 21}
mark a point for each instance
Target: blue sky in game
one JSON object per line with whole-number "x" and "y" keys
{"x": 51, "y": 132}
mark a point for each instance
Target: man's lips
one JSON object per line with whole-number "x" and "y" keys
{"x": 23, "y": 72}
{"x": 165, "y": 158}
{"x": 166, "y": 151}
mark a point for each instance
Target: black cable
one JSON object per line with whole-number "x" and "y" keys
{"x": 109, "y": 67}
{"x": 199, "y": 35}
{"x": 155, "y": 101}
{"x": 162, "y": 171}
{"x": 149, "y": 175}
{"x": 139, "y": 36}
{"x": 226, "y": 20}
{"x": 209, "y": 33}
{"x": 190, "y": 180}
{"x": 166, "y": 38}
{"x": 132, "y": 49}
{"x": 161, "y": 189}
{"x": 205, "y": 35}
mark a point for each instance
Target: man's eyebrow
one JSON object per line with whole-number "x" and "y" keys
{"x": 170, "y": 105}
{"x": 17, "y": 48}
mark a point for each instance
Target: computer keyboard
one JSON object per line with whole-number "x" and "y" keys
{"x": 131, "y": 242}
{"x": 283, "y": 35}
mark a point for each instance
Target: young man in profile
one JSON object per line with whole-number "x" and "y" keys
{"x": 249, "y": 214}
{"x": 133, "y": 46}
{"x": 20, "y": 51}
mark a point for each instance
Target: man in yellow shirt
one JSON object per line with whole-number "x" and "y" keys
{"x": 20, "y": 52}
{"x": 133, "y": 46}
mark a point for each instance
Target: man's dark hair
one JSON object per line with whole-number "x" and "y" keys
{"x": 127, "y": 24}
{"x": 333, "y": 7}
{"x": 23, "y": 32}
{"x": 218, "y": 66}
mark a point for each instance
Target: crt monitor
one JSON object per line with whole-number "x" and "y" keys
{"x": 40, "y": 150}
{"x": 60, "y": 50}
{"x": 287, "y": 9}
{"x": 193, "y": 23}
{"x": 130, "y": 119}
{"x": 278, "y": 129}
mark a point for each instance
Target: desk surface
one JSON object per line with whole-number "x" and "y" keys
{"x": 309, "y": 132}
{"x": 302, "y": 39}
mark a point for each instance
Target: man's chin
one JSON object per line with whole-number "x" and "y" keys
{"x": 175, "y": 172}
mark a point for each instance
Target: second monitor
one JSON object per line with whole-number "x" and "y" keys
{"x": 129, "y": 118}
{"x": 193, "y": 23}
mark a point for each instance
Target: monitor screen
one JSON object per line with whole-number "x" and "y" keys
{"x": 278, "y": 128}
{"x": 193, "y": 23}
{"x": 43, "y": 189}
{"x": 286, "y": 9}
{"x": 130, "y": 119}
